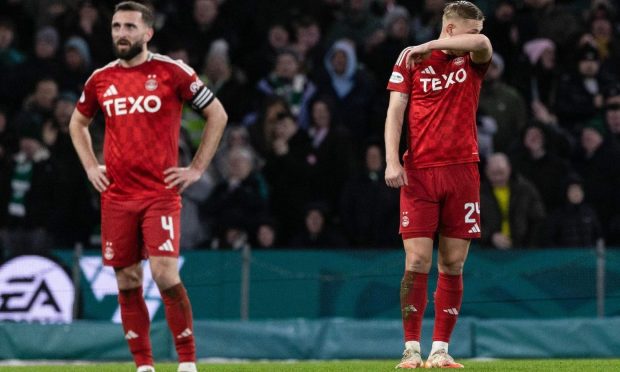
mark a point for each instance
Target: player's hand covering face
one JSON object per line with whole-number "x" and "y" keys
{"x": 129, "y": 34}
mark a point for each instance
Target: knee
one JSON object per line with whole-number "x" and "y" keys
{"x": 418, "y": 263}
{"x": 164, "y": 276}
{"x": 128, "y": 278}
{"x": 451, "y": 267}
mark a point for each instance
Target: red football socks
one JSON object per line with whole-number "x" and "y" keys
{"x": 448, "y": 297}
{"x": 179, "y": 317}
{"x": 136, "y": 324}
{"x": 413, "y": 298}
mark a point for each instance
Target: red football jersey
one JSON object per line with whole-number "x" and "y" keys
{"x": 443, "y": 101}
{"x": 142, "y": 109}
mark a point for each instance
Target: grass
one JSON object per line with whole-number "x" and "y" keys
{"x": 539, "y": 365}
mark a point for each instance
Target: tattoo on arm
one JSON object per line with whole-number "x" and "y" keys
{"x": 404, "y": 97}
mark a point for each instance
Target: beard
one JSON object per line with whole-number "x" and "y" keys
{"x": 129, "y": 53}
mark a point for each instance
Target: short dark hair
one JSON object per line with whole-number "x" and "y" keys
{"x": 463, "y": 9}
{"x": 148, "y": 15}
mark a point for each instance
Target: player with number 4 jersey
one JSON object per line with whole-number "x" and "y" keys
{"x": 439, "y": 83}
{"x": 141, "y": 96}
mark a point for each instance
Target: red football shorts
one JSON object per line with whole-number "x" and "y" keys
{"x": 132, "y": 230}
{"x": 441, "y": 199}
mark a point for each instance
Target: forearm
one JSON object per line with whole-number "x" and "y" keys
{"x": 464, "y": 43}
{"x": 80, "y": 136}
{"x": 393, "y": 130}
{"x": 211, "y": 136}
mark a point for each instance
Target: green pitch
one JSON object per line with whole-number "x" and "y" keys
{"x": 539, "y": 365}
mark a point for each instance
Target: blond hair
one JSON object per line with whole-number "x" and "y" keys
{"x": 462, "y": 9}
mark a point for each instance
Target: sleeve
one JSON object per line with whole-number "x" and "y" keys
{"x": 87, "y": 105}
{"x": 480, "y": 68}
{"x": 400, "y": 80}
{"x": 192, "y": 89}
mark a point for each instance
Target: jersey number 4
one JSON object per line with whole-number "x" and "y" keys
{"x": 166, "y": 224}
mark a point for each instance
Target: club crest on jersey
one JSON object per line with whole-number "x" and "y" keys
{"x": 458, "y": 61}
{"x": 405, "y": 219}
{"x": 396, "y": 78}
{"x": 151, "y": 83}
{"x": 109, "y": 251}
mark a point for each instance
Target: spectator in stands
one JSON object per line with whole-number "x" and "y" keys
{"x": 538, "y": 82}
{"x": 350, "y": 87}
{"x": 487, "y": 127}
{"x": 612, "y": 118}
{"x": 234, "y": 137}
{"x": 398, "y": 36}
{"x": 39, "y": 106}
{"x": 226, "y": 82}
{"x": 579, "y": 94}
{"x": 427, "y": 24}
{"x": 238, "y": 199}
{"x": 504, "y": 104}
{"x": 612, "y": 92}
{"x": 536, "y": 160}
{"x": 26, "y": 198}
{"x": 286, "y": 171}
{"x": 195, "y": 229}
{"x": 73, "y": 215}
{"x": 503, "y": 30}
{"x": 262, "y": 124}
{"x": 77, "y": 65}
{"x": 598, "y": 163}
{"x": 286, "y": 80}
{"x": 91, "y": 23}
{"x": 266, "y": 235}
{"x": 258, "y": 64}
{"x": 10, "y": 59}
{"x": 369, "y": 208}
{"x": 546, "y": 19}
{"x": 308, "y": 42}
{"x": 10, "y": 56}
{"x": 43, "y": 63}
{"x": 8, "y": 139}
{"x": 574, "y": 224}
{"x": 330, "y": 156}
{"x": 199, "y": 28}
{"x": 357, "y": 24}
{"x": 317, "y": 231}
{"x": 511, "y": 210}
{"x": 179, "y": 51}
{"x": 603, "y": 37}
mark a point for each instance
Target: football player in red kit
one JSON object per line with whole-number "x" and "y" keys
{"x": 439, "y": 82}
{"x": 141, "y": 95}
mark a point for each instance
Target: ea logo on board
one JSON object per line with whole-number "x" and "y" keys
{"x": 35, "y": 289}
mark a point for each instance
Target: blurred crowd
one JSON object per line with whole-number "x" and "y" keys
{"x": 301, "y": 163}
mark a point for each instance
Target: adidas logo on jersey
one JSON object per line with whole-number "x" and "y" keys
{"x": 186, "y": 333}
{"x": 167, "y": 246}
{"x": 111, "y": 91}
{"x": 429, "y": 71}
{"x": 474, "y": 229}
